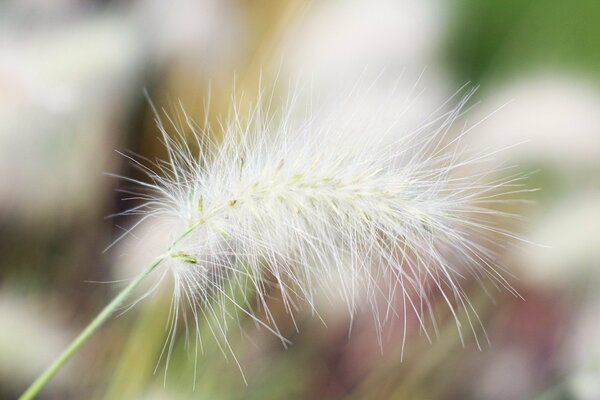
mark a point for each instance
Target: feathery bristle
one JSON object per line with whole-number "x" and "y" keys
{"x": 299, "y": 204}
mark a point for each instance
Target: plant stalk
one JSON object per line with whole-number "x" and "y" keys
{"x": 89, "y": 330}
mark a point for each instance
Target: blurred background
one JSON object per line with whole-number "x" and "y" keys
{"x": 72, "y": 81}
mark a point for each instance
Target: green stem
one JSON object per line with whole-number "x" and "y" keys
{"x": 49, "y": 373}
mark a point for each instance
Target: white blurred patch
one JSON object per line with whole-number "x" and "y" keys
{"x": 62, "y": 90}
{"x": 30, "y": 339}
{"x": 582, "y": 357}
{"x": 203, "y": 31}
{"x": 338, "y": 38}
{"x": 345, "y": 46}
{"x": 557, "y": 117}
{"x": 570, "y": 233}
{"x": 509, "y": 376}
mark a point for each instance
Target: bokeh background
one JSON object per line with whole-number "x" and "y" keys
{"x": 72, "y": 80}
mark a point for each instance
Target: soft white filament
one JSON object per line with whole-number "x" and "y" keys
{"x": 296, "y": 203}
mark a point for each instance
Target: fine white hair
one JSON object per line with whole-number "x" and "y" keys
{"x": 290, "y": 200}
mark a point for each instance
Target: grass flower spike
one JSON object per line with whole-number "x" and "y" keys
{"x": 298, "y": 204}
{"x": 289, "y": 200}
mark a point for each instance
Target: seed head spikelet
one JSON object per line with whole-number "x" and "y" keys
{"x": 298, "y": 204}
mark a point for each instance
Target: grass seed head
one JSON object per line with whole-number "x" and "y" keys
{"x": 298, "y": 204}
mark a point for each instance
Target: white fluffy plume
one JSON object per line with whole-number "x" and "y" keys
{"x": 297, "y": 204}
